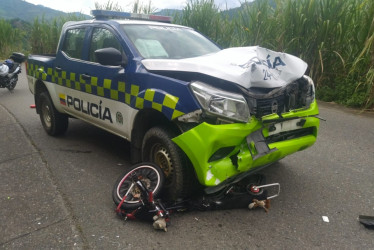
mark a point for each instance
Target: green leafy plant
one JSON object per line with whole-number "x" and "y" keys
{"x": 110, "y": 5}
{"x": 335, "y": 38}
{"x": 45, "y": 34}
{"x": 10, "y": 39}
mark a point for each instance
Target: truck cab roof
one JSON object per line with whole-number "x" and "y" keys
{"x": 123, "y": 18}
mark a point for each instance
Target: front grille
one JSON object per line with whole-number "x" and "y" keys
{"x": 270, "y": 106}
{"x": 277, "y": 101}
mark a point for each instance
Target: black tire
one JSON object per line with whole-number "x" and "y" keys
{"x": 159, "y": 148}
{"x": 54, "y": 122}
{"x": 13, "y": 82}
{"x": 151, "y": 174}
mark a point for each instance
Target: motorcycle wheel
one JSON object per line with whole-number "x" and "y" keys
{"x": 12, "y": 82}
{"x": 54, "y": 123}
{"x": 151, "y": 176}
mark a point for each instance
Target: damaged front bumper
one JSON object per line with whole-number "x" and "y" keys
{"x": 218, "y": 152}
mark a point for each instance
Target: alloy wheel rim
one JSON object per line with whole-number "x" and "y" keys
{"x": 47, "y": 116}
{"x": 162, "y": 158}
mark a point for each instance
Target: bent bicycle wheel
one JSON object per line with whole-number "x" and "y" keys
{"x": 150, "y": 175}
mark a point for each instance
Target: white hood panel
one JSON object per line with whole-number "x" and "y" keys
{"x": 246, "y": 66}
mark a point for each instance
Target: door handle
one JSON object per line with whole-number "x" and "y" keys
{"x": 58, "y": 69}
{"x": 86, "y": 77}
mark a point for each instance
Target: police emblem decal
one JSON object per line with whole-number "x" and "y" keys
{"x": 119, "y": 118}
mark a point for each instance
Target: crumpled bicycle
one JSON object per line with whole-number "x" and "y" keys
{"x": 137, "y": 194}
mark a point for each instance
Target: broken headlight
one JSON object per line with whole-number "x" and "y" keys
{"x": 221, "y": 103}
{"x": 310, "y": 92}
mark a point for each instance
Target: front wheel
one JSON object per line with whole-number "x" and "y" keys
{"x": 54, "y": 122}
{"x": 159, "y": 148}
{"x": 148, "y": 173}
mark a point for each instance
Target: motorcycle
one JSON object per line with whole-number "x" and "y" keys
{"x": 10, "y": 69}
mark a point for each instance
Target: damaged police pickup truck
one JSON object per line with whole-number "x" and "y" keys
{"x": 198, "y": 112}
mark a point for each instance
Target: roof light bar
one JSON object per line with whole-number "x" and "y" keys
{"x": 107, "y": 14}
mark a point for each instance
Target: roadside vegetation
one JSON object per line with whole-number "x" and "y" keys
{"x": 10, "y": 38}
{"x": 335, "y": 38}
{"x": 44, "y": 34}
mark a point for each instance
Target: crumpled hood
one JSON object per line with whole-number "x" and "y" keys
{"x": 247, "y": 66}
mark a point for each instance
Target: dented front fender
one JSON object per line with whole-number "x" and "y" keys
{"x": 201, "y": 142}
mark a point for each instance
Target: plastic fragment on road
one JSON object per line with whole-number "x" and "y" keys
{"x": 367, "y": 221}
{"x": 325, "y": 219}
{"x": 32, "y": 106}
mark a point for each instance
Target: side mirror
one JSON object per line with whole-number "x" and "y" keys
{"x": 110, "y": 57}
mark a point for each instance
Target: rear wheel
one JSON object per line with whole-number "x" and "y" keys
{"x": 13, "y": 82}
{"x": 160, "y": 149}
{"x": 54, "y": 123}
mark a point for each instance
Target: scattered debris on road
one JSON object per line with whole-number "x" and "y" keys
{"x": 325, "y": 219}
{"x": 367, "y": 221}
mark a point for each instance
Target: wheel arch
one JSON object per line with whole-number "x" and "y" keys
{"x": 146, "y": 119}
{"x": 39, "y": 88}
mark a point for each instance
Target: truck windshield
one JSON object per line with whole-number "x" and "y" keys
{"x": 168, "y": 42}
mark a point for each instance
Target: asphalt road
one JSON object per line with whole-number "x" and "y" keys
{"x": 56, "y": 192}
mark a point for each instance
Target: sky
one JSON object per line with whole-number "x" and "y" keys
{"x": 85, "y": 6}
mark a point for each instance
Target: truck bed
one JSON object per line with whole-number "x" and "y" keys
{"x": 44, "y": 58}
